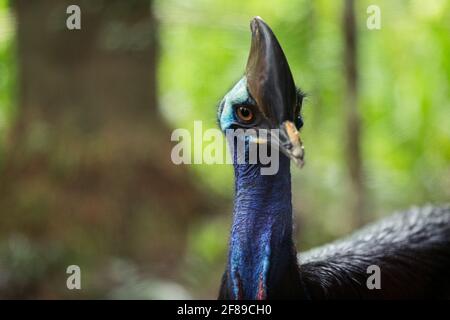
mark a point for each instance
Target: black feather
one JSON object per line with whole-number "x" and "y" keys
{"x": 411, "y": 248}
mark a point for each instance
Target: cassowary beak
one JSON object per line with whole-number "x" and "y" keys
{"x": 270, "y": 83}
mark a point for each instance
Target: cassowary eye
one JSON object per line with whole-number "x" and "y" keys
{"x": 244, "y": 114}
{"x": 299, "y": 122}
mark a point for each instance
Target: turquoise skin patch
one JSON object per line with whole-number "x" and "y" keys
{"x": 238, "y": 94}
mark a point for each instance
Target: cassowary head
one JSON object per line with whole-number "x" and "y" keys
{"x": 266, "y": 97}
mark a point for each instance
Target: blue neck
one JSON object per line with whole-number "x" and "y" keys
{"x": 261, "y": 235}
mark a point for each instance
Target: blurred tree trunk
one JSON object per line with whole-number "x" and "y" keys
{"x": 353, "y": 120}
{"x": 88, "y": 163}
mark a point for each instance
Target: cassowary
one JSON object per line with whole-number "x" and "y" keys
{"x": 411, "y": 249}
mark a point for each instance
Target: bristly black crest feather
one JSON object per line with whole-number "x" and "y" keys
{"x": 300, "y": 96}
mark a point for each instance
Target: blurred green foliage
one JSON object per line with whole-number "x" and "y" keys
{"x": 7, "y": 71}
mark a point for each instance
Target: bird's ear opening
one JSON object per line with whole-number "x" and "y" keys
{"x": 269, "y": 77}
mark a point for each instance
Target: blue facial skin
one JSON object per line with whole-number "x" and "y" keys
{"x": 237, "y": 95}
{"x": 261, "y": 232}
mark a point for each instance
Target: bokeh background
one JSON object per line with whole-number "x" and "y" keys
{"x": 86, "y": 118}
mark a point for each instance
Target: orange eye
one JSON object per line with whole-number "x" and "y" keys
{"x": 244, "y": 114}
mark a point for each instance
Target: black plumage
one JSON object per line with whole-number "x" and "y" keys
{"x": 412, "y": 249}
